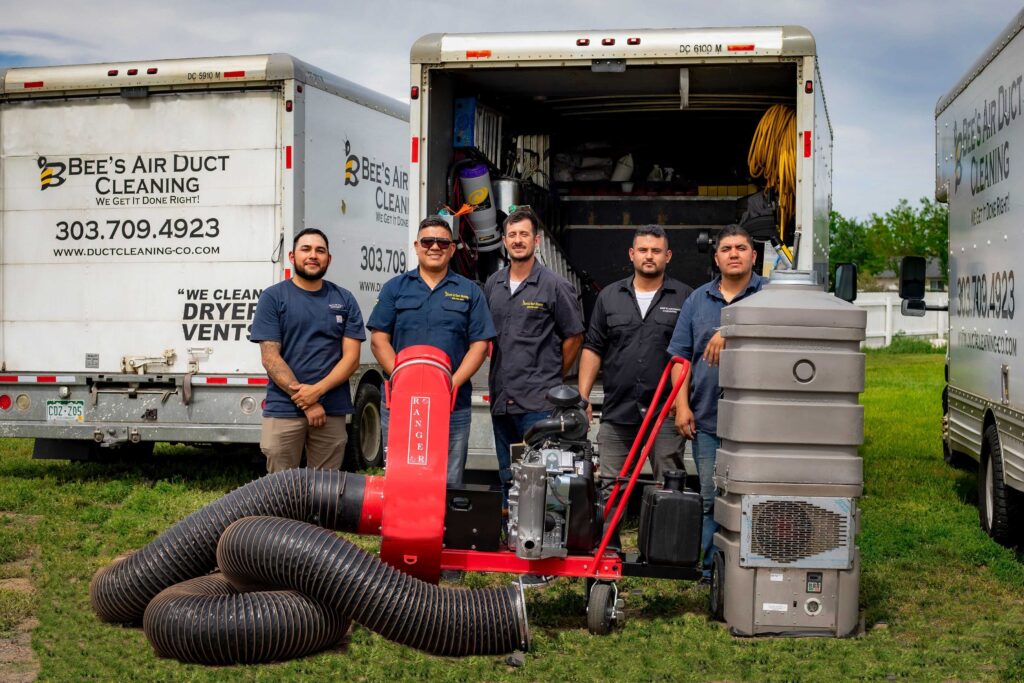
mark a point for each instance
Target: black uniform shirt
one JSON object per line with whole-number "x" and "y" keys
{"x": 532, "y": 323}
{"x": 633, "y": 347}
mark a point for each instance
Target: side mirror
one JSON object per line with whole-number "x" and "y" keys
{"x": 912, "y": 276}
{"x": 914, "y": 308}
{"x": 846, "y": 282}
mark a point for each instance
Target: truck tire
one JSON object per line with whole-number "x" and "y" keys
{"x": 998, "y": 504}
{"x": 365, "y": 442}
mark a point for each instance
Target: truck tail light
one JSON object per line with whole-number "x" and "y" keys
{"x": 607, "y": 42}
{"x": 809, "y": 87}
{"x": 632, "y": 41}
{"x": 5, "y": 402}
{"x": 582, "y": 42}
{"x": 112, "y": 72}
{"x": 414, "y": 92}
{"x": 151, "y": 70}
{"x": 133, "y": 72}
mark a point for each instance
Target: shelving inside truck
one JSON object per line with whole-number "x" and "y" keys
{"x": 694, "y": 123}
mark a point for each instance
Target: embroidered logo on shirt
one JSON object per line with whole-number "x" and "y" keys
{"x": 534, "y": 305}
{"x": 668, "y": 309}
{"x": 336, "y": 307}
{"x": 456, "y": 296}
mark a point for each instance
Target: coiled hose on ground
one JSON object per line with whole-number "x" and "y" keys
{"x": 293, "y": 555}
{"x": 206, "y": 620}
{"x": 325, "y": 568}
{"x": 120, "y": 592}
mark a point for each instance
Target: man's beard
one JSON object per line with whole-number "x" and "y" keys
{"x": 521, "y": 259}
{"x": 301, "y": 272}
{"x": 658, "y": 272}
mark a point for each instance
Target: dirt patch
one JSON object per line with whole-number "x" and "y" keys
{"x": 18, "y": 663}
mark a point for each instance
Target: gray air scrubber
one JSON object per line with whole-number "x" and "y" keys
{"x": 788, "y": 471}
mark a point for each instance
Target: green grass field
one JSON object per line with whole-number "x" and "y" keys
{"x": 940, "y": 601}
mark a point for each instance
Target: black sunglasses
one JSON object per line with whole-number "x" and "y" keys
{"x": 441, "y": 242}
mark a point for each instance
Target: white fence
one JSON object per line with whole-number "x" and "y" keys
{"x": 886, "y": 321}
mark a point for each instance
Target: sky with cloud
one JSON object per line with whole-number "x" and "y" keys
{"x": 884, "y": 64}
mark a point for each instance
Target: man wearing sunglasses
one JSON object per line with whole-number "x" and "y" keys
{"x": 434, "y": 305}
{"x": 540, "y": 331}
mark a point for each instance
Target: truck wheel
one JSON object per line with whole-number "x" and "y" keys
{"x": 716, "y": 594}
{"x": 998, "y": 504}
{"x": 365, "y": 443}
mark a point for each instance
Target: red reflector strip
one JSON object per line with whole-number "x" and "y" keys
{"x": 807, "y": 144}
{"x": 34, "y": 84}
{"x": 477, "y": 54}
{"x": 287, "y": 273}
{"x": 415, "y": 155}
{"x": 288, "y": 156}
{"x": 234, "y": 74}
{"x": 37, "y": 379}
{"x": 740, "y": 48}
{"x": 230, "y": 381}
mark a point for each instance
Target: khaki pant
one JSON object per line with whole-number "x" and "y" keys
{"x": 282, "y": 440}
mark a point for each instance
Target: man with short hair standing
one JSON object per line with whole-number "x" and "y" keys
{"x": 309, "y": 331}
{"x": 697, "y": 339}
{"x": 630, "y": 328}
{"x": 435, "y": 306}
{"x": 540, "y": 329}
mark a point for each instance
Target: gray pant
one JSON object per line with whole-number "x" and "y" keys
{"x": 615, "y": 440}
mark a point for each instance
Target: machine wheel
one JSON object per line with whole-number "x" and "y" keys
{"x": 716, "y": 596}
{"x": 601, "y": 608}
{"x": 365, "y": 441}
{"x": 998, "y": 504}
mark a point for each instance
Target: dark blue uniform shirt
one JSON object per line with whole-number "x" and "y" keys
{"x": 532, "y": 323}
{"x": 699, "y": 319}
{"x": 309, "y": 326}
{"x": 450, "y": 317}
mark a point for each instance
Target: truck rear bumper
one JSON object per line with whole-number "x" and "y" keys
{"x": 113, "y": 433}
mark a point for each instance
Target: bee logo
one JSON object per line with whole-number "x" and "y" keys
{"x": 351, "y": 166}
{"x": 50, "y": 174}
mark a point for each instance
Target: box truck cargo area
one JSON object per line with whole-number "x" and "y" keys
{"x": 600, "y": 146}
{"x": 145, "y": 206}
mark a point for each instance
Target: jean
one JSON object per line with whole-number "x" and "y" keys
{"x": 705, "y": 445}
{"x": 458, "y": 441}
{"x": 509, "y": 429}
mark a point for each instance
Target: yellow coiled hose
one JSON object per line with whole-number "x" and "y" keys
{"x": 772, "y": 156}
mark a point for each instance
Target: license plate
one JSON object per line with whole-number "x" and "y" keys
{"x": 65, "y": 411}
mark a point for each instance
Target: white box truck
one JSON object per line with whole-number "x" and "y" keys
{"x": 979, "y": 138}
{"x": 145, "y": 205}
{"x": 601, "y": 131}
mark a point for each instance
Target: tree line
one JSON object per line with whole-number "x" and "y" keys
{"x": 877, "y": 243}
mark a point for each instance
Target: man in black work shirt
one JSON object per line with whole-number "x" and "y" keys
{"x": 630, "y": 329}
{"x": 540, "y": 330}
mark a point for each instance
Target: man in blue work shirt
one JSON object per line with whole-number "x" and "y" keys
{"x": 309, "y": 331}
{"x": 697, "y": 339}
{"x": 435, "y": 306}
{"x": 540, "y": 330}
